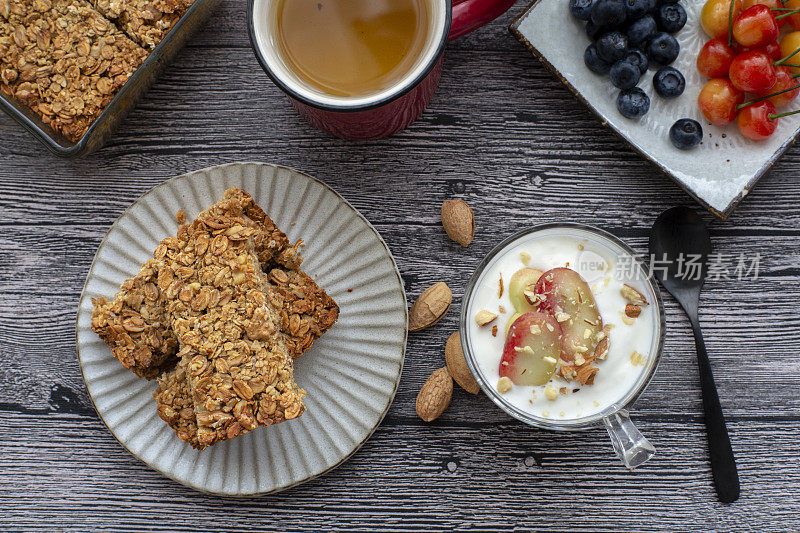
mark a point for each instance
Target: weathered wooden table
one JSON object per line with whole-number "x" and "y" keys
{"x": 504, "y": 135}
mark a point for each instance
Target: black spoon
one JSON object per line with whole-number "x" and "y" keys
{"x": 680, "y": 231}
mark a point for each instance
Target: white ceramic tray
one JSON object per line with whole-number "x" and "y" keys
{"x": 721, "y": 171}
{"x": 350, "y": 374}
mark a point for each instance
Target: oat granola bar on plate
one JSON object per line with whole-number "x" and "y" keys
{"x": 349, "y": 374}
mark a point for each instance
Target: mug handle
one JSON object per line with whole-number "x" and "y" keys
{"x": 631, "y": 446}
{"x": 469, "y": 15}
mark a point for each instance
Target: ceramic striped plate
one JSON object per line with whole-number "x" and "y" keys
{"x": 350, "y": 375}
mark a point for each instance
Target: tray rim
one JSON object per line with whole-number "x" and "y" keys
{"x": 404, "y": 344}
{"x": 723, "y": 214}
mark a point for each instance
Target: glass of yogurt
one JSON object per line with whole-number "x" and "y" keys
{"x": 563, "y": 326}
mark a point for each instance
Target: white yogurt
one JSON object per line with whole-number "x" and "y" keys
{"x": 606, "y": 267}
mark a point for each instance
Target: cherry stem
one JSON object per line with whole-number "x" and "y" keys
{"x": 792, "y": 65}
{"x": 730, "y": 23}
{"x": 789, "y": 14}
{"x": 782, "y": 9}
{"x": 784, "y": 59}
{"x": 773, "y": 116}
{"x": 740, "y": 106}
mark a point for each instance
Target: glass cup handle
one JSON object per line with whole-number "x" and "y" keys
{"x": 631, "y": 446}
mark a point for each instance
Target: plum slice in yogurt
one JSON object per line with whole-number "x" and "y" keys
{"x": 563, "y": 347}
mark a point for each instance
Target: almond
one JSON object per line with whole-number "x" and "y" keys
{"x": 632, "y": 295}
{"x": 435, "y": 394}
{"x": 430, "y": 307}
{"x": 484, "y": 317}
{"x": 458, "y": 221}
{"x": 457, "y": 364}
{"x": 601, "y": 350}
{"x": 633, "y": 311}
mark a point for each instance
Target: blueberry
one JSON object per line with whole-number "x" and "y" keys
{"x": 640, "y": 31}
{"x": 669, "y": 82}
{"x": 612, "y": 46}
{"x": 686, "y": 133}
{"x": 635, "y": 9}
{"x": 624, "y": 75}
{"x": 594, "y": 62}
{"x": 671, "y": 18}
{"x": 633, "y": 103}
{"x": 663, "y": 49}
{"x": 638, "y": 58}
{"x": 581, "y": 9}
{"x": 610, "y": 13}
{"x": 593, "y": 31}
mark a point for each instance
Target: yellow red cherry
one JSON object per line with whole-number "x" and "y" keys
{"x": 716, "y": 14}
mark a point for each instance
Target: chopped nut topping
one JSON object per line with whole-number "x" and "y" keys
{"x": 601, "y": 351}
{"x": 535, "y": 329}
{"x": 501, "y": 309}
{"x": 494, "y": 330}
{"x": 637, "y": 359}
{"x": 551, "y": 393}
{"x": 633, "y": 310}
{"x": 632, "y": 295}
{"x": 548, "y": 359}
{"x": 503, "y": 385}
{"x": 563, "y": 391}
{"x": 525, "y": 257}
{"x": 530, "y": 296}
{"x": 562, "y": 317}
{"x": 628, "y": 321}
{"x": 500, "y": 287}
{"x": 484, "y": 317}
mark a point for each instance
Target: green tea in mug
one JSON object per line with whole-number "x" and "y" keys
{"x": 350, "y": 47}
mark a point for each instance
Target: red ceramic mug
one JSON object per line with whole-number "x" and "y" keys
{"x": 388, "y": 111}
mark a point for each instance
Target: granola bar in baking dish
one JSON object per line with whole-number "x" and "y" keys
{"x": 144, "y": 21}
{"x": 63, "y": 60}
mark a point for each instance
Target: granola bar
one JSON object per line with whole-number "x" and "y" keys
{"x": 237, "y": 367}
{"x": 175, "y": 404}
{"x": 134, "y": 324}
{"x": 144, "y": 21}
{"x": 64, "y": 60}
{"x": 142, "y": 300}
{"x": 306, "y": 312}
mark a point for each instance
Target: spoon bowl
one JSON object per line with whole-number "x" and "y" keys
{"x": 679, "y": 246}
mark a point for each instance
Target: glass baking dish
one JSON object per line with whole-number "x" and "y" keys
{"x": 197, "y": 14}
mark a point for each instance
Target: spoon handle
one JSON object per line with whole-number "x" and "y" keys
{"x": 723, "y": 464}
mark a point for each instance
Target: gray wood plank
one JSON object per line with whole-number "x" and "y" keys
{"x": 504, "y": 135}
{"x": 501, "y": 477}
